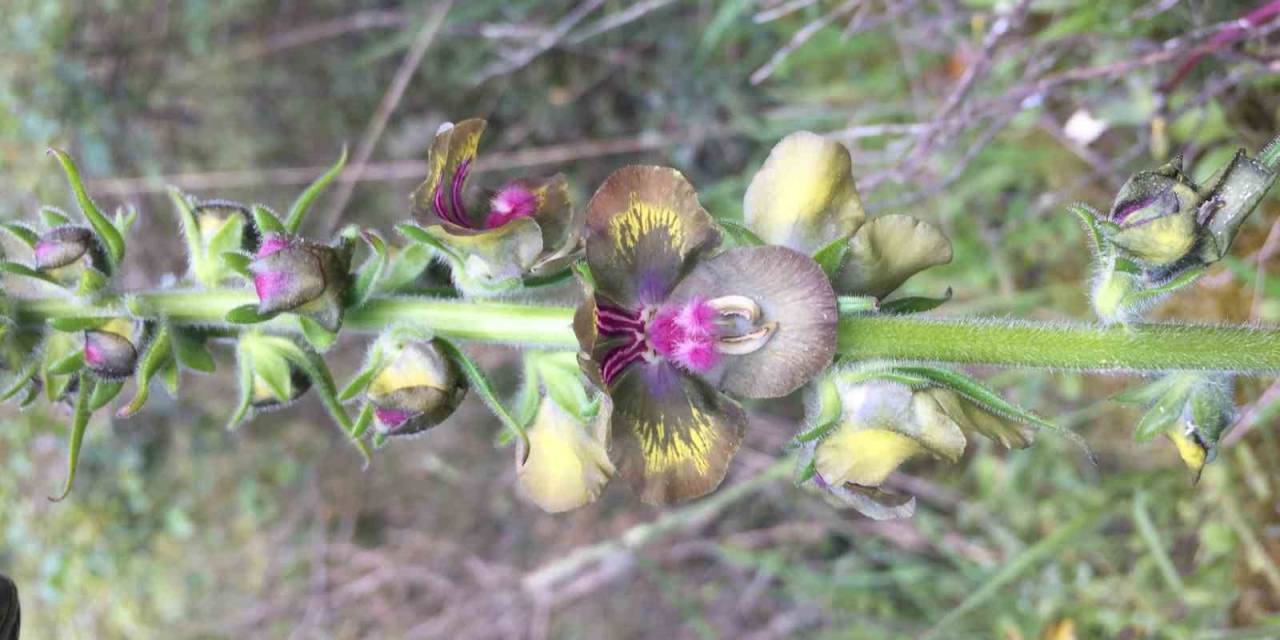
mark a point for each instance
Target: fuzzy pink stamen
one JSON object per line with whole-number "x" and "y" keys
{"x": 511, "y": 202}
{"x": 685, "y": 335}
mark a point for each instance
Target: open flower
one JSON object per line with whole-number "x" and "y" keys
{"x": 863, "y": 429}
{"x": 805, "y": 197}
{"x": 415, "y": 387}
{"x": 667, "y": 327}
{"x": 566, "y": 463}
{"x": 109, "y": 350}
{"x": 294, "y": 274}
{"x": 525, "y": 226}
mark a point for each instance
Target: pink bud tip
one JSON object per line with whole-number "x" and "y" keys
{"x": 270, "y": 284}
{"x": 511, "y": 202}
{"x": 392, "y": 418}
{"x": 271, "y": 244}
{"x": 43, "y": 251}
{"x": 92, "y": 355}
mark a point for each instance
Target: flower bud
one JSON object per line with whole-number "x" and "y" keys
{"x": 109, "y": 351}
{"x": 213, "y": 216}
{"x": 566, "y": 463}
{"x": 311, "y": 279}
{"x": 63, "y": 246}
{"x": 417, "y": 388}
{"x": 264, "y": 398}
{"x": 1193, "y": 410}
{"x": 1153, "y": 219}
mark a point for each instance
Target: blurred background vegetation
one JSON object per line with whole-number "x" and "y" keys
{"x": 986, "y": 116}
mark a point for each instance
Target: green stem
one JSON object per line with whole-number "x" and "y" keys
{"x": 999, "y": 342}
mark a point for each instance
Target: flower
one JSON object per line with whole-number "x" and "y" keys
{"x": 416, "y": 386}
{"x": 805, "y": 197}
{"x": 308, "y": 278}
{"x": 668, "y": 326}
{"x": 526, "y": 225}
{"x": 565, "y": 464}
{"x": 66, "y": 250}
{"x": 109, "y": 351}
{"x": 1193, "y": 410}
{"x": 862, "y": 429}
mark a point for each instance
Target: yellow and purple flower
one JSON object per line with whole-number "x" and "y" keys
{"x": 525, "y": 227}
{"x": 668, "y": 327}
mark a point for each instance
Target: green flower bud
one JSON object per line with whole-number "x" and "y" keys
{"x": 415, "y": 387}
{"x": 1193, "y": 410}
{"x": 1153, "y": 219}
{"x": 65, "y": 252}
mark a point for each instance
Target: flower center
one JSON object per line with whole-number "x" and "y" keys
{"x": 511, "y": 202}
{"x": 691, "y": 335}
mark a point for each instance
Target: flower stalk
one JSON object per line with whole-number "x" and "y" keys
{"x": 967, "y": 341}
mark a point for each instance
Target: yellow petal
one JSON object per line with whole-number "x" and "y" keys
{"x": 887, "y": 251}
{"x": 804, "y": 197}
{"x": 564, "y": 467}
{"x": 863, "y": 456}
{"x": 1191, "y": 452}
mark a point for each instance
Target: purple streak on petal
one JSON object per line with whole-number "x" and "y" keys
{"x": 612, "y": 321}
{"x": 437, "y": 201}
{"x": 270, "y": 284}
{"x": 274, "y": 242}
{"x": 617, "y": 361}
{"x": 393, "y": 418}
{"x": 455, "y": 194}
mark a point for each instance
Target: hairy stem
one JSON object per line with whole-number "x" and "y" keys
{"x": 1151, "y": 347}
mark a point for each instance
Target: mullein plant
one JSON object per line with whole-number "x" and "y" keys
{"x": 684, "y": 316}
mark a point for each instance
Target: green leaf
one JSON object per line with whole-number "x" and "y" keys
{"x": 54, "y": 217}
{"x": 68, "y": 364}
{"x": 79, "y": 422}
{"x": 237, "y": 262}
{"x": 27, "y": 272}
{"x": 266, "y": 220}
{"x": 191, "y": 351}
{"x": 107, "y": 232}
{"x": 319, "y": 337}
{"x": 300, "y": 206}
{"x": 20, "y": 380}
{"x": 830, "y": 256}
{"x": 915, "y": 304}
{"x": 76, "y": 325}
{"x": 371, "y": 271}
{"x": 739, "y": 235}
{"x": 21, "y": 232}
{"x": 247, "y": 314}
{"x": 104, "y": 392}
{"x": 159, "y": 353}
{"x": 480, "y": 382}
{"x": 1184, "y": 278}
{"x": 421, "y": 236}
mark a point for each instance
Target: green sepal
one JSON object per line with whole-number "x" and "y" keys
{"x": 244, "y": 377}
{"x": 1090, "y": 218}
{"x": 484, "y": 388}
{"x": 1156, "y": 421}
{"x": 298, "y": 211}
{"x": 1184, "y": 278}
{"x": 404, "y": 268}
{"x": 247, "y": 314}
{"x": 738, "y": 235}
{"x": 371, "y": 271}
{"x": 54, "y": 217}
{"x": 270, "y": 364}
{"x": 829, "y": 410}
{"x": 362, "y": 380}
{"x": 76, "y": 325}
{"x": 379, "y": 440}
{"x": 169, "y": 376}
{"x": 159, "y": 352}
{"x": 266, "y": 220}
{"x": 362, "y": 422}
{"x": 319, "y": 337}
{"x": 104, "y": 392}
{"x": 856, "y": 304}
{"x": 191, "y": 351}
{"x": 547, "y": 280}
{"x": 21, "y": 380}
{"x": 106, "y": 230}
{"x": 315, "y": 368}
{"x": 79, "y": 423}
{"x": 419, "y": 235}
{"x": 830, "y": 256}
{"x": 27, "y": 272}
{"x": 68, "y": 364}
{"x": 806, "y": 472}
{"x": 190, "y": 228}
{"x": 125, "y": 219}
{"x": 915, "y": 304}
{"x": 91, "y": 282}
{"x": 22, "y": 233}
{"x": 236, "y": 262}
{"x": 559, "y": 374}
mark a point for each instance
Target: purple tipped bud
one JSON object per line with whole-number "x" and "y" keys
{"x": 293, "y": 274}
{"x": 416, "y": 390}
{"x": 65, "y": 245}
{"x": 108, "y": 351}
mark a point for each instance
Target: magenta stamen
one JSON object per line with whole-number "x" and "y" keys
{"x": 685, "y": 335}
